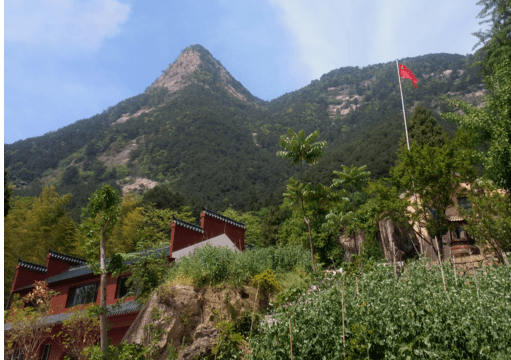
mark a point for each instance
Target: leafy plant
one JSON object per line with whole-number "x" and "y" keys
{"x": 411, "y": 317}
{"x": 228, "y": 343}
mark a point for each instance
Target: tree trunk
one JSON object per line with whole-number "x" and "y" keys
{"x": 102, "y": 303}
{"x": 440, "y": 263}
{"x": 310, "y": 240}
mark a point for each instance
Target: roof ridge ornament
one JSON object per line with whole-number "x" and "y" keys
{"x": 187, "y": 225}
{"x": 32, "y": 266}
{"x": 67, "y": 258}
{"x": 223, "y": 218}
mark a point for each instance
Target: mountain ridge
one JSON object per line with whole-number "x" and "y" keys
{"x": 200, "y": 130}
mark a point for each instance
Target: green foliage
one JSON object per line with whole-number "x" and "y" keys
{"x": 489, "y": 219}
{"x": 211, "y": 265}
{"x": 100, "y": 216}
{"x": 252, "y": 224}
{"x": 299, "y": 148}
{"x": 8, "y": 190}
{"x": 148, "y": 270}
{"x": 35, "y": 225}
{"x": 153, "y": 334}
{"x": 162, "y": 197}
{"x": 269, "y": 228}
{"x": 492, "y": 123}
{"x": 400, "y": 319}
{"x": 423, "y": 129}
{"x": 266, "y": 282}
{"x": 201, "y": 139}
{"x": 26, "y": 332}
{"x": 433, "y": 175}
{"x": 79, "y": 331}
{"x": 228, "y": 343}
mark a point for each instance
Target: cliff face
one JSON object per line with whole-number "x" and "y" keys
{"x": 177, "y": 75}
{"x": 186, "y": 318}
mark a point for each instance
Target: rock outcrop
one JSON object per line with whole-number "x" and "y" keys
{"x": 185, "y": 317}
{"x": 396, "y": 240}
{"x": 392, "y": 238}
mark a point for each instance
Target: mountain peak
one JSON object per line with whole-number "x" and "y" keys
{"x": 177, "y": 75}
{"x": 196, "y": 65}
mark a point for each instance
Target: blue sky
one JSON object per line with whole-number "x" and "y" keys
{"x": 66, "y": 60}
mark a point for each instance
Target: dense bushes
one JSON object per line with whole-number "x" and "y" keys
{"x": 408, "y": 318}
{"x": 210, "y": 265}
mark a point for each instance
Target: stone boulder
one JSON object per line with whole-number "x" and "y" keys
{"x": 186, "y": 317}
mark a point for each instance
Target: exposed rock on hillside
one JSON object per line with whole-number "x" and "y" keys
{"x": 176, "y": 76}
{"x": 126, "y": 117}
{"x": 137, "y": 184}
{"x": 346, "y": 102}
{"x": 189, "y": 314}
{"x": 111, "y": 157}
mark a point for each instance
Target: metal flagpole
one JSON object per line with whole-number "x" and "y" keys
{"x": 403, "y": 103}
{"x": 408, "y": 144}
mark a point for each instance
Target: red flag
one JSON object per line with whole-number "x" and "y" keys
{"x": 406, "y": 73}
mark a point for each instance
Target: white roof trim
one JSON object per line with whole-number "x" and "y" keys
{"x": 217, "y": 241}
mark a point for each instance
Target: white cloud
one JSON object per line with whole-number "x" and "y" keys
{"x": 64, "y": 25}
{"x": 378, "y": 31}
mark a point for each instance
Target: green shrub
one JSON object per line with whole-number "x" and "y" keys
{"x": 228, "y": 343}
{"x": 266, "y": 282}
{"x": 408, "y": 318}
{"x": 212, "y": 265}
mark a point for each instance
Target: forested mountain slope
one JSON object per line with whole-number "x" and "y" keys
{"x": 200, "y": 130}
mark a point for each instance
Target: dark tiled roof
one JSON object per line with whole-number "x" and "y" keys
{"x": 223, "y": 218}
{"x": 32, "y": 266}
{"x": 188, "y": 225}
{"x": 82, "y": 270}
{"x": 72, "y": 272}
{"x": 124, "y": 308}
{"x": 67, "y": 258}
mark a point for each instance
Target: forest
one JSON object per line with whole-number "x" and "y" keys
{"x": 302, "y": 171}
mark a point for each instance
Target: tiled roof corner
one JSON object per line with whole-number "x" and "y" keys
{"x": 67, "y": 258}
{"x": 223, "y": 218}
{"x": 32, "y": 266}
{"x": 188, "y": 225}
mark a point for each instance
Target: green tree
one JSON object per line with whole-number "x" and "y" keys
{"x": 423, "y": 129}
{"x": 298, "y": 149}
{"x": 35, "y": 225}
{"x": 252, "y": 224}
{"x": 270, "y": 225}
{"x": 489, "y": 219}
{"x": 492, "y": 123}
{"x": 101, "y": 213}
{"x": 8, "y": 190}
{"x": 71, "y": 175}
{"x": 433, "y": 175}
{"x": 343, "y": 215}
{"x": 162, "y": 197}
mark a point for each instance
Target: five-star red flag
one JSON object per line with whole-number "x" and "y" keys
{"x": 406, "y": 73}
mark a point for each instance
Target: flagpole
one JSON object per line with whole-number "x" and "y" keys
{"x": 403, "y": 103}
{"x": 408, "y": 144}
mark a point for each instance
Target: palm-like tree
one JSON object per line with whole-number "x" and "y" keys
{"x": 299, "y": 148}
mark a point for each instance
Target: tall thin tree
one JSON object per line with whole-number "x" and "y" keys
{"x": 102, "y": 212}
{"x": 299, "y": 149}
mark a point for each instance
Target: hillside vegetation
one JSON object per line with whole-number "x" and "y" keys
{"x": 199, "y": 130}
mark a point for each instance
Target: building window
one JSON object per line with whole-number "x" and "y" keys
{"x": 122, "y": 287}
{"x": 83, "y": 294}
{"x": 464, "y": 203}
{"x": 45, "y": 353}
